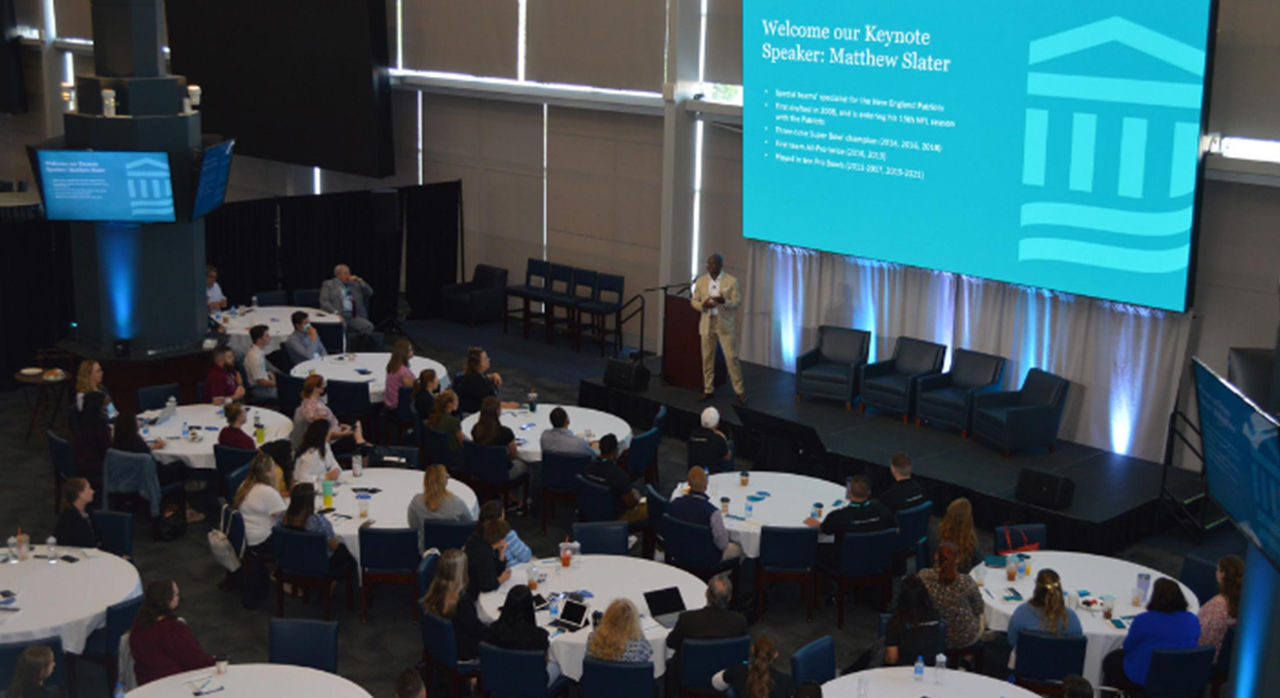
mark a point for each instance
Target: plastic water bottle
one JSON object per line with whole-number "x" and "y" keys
{"x": 939, "y": 667}
{"x": 357, "y": 465}
{"x": 13, "y": 549}
{"x": 253, "y": 300}
{"x": 533, "y": 399}
{"x": 919, "y": 670}
{"x": 259, "y": 431}
{"x": 119, "y": 692}
{"x": 170, "y": 409}
{"x": 750, "y": 509}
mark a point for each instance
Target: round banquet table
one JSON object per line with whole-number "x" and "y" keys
{"x": 199, "y": 454}
{"x": 528, "y": 427}
{"x": 607, "y": 577}
{"x": 241, "y": 680}
{"x": 276, "y": 317}
{"x": 1096, "y": 574}
{"x": 788, "y": 499}
{"x": 347, "y": 367}
{"x": 899, "y": 682}
{"x": 388, "y": 508}
{"x": 67, "y": 599}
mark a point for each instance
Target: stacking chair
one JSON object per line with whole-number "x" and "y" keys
{"x": 642, "y": 457}
{"x": 10, "y": 651}
{"x": 228, "y": 460}
{"x": 601, "y": 537}
{"x": 690, "y": 547}
{"x": 1007, "y": 538}
{"x": 940, "y": 646}
{"x": 135, "y": 474}
{"x": 307, "y": 298}
{"x": 489, "y": 470}
{"x": 302, "y": 559}
{"x": 333, "y": 336}
{"x": 1222, "y": 665}
{"x": 582, "y": 290}
{"x": 435, "y": 448}
{"x": 289, "y": 393}
{"x": 595, "y": 501}
{"x": 1178, "y": 673}
{"x": 426, "y": 572}
{"x": 154, "y": 397}
{"x": 657, "y": 507}
{"x": 64, "y": 466}
{"x": 605, "y": 679}
{"x": 533, "y": 290}
{"x": 891, "y": 385}
{"x": 116, "y": 531}
{"x": 103, "y": 645}
{"x": 947, "y": 398}
{"x": 913, "y": 535}
{"x": 404, "y": 418}
{"x": 660, "y": 419}
{"x": 606, "y": 302}
{"x": 702, "y": 659}
{"x": 517, "y": 674}
{"x": 278, "y": 297}
{"x": 1043, "y": 659}
{"x": 440, "y": 651}
{"x": 305, "y": 643}
{"x": 387, "y": 556}
{"x": 446, "y": 535}
{"x": 235, "y": 479}
{"x": 349, "y": 399}
{"x": 559, "y": 481}
{"x": 405, "y": 457}
{"x": 1200, "y": 576}
{"x": 559, "y": 294}
{"x": 788, "y": 554}
{"x": 814, "y": 662}
{"x": 866, "y": 559}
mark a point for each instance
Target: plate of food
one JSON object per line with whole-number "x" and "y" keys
{"x": 31, "y": 371}
{"x": 55, "y": 374}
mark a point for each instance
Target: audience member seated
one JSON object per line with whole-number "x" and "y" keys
{"x": 477, "y": 382}
{"x": 912, "y": 630}
{"x": 956, "y": 598}
{"x": 315, "y": 457}
{"x": 161, "y": 642}
{"x": 696, "y": 508}
{"x": 489, "y": 431}
{"x": 442, "y": 418}
{"x": 517, "y": 629}
{"x": 312, "y": 409}
{"x": 559, "y": 439}
{"x": 262, "y": 380}
{"x": 425, "y": 390}
{"x": 1046, "y": 612}
{"x": 862, "y": 515}
{"x": 92, "y": 438}
{"x": 1220, "y": 612}
{"x": 301, "y": 516}
{"x": 347, "y": 295}
{"x": 1166, "y": 625}
{"x": 233, "y": 435}
{"x": 906, "y": 491}
{"x": 711, "y": 622}
{"x": 127, "y": 439}
{"x": 450, "y": 597}
{"x": 606, "y": 471}
{"x": 709, "y": 447}
{"x": 222, "y": 382}
{"x": 304, "y": 343}
{"x": 213, "y": 295}
{"x": 34, "y": 665}
{"x": 618, "y": 637}
{"x": 757, "y": 678}
{"x": 89, "y": 380}
{"x": 260, "y": 503}
{"x": 74, "y": 527}
{"x": 435, "y": 503}
{"x": 409, "y": 684}
{"x": 399, "y": 375}
{"x": 487, "y": 555}
{"x": 517, "y": 551}
{"x": 1075, "y": 686}
{"x": 956, "y": 528}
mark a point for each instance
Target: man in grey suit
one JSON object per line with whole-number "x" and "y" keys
{"x": 347, "y": 295}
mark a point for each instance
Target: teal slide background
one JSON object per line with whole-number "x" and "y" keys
{"x": 1072, "y": 164}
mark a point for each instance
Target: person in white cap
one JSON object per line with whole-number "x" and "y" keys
{"x": 709, "y": 447}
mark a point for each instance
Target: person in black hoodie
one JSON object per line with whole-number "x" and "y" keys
{"x": 74, "y": 527}
{"x": 450, "y": 597}
{"x": 516, "y": 628}
{"x": 92, "y": 437}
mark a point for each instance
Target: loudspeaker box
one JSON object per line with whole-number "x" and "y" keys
{"x": 626, "y": 375}
{"x": 1045, "y": 489}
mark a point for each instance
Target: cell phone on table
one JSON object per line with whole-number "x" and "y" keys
{"x": 6, "y": 594}
{"x": 539, "y": 602}
{"x": 326, "y": 510}
{"x": 69, "y": 558}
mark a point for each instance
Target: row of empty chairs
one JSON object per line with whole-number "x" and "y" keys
{"x": 587, "y": 297}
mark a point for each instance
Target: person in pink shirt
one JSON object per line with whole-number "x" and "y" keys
{"x": 399, "y": 375}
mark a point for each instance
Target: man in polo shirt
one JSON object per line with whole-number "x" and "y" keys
{"x": 862, "y": 515}
{"x": 906, "y": 491}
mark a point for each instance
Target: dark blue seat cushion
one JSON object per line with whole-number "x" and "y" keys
{"x": 836, "y": 373}
{"x": 949, "y": 396}
{"x": 894, "y": 382}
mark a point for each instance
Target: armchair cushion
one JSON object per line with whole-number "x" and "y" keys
{"x": 971, "y": 369}
{"x": 949, "y": 396}
{"x": 829, "y": 372}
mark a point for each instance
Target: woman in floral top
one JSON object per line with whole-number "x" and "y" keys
{"x": 618, "y": 637}
{"x": 301, "y": 515}
{"x": 1219, "y": 613}
{"x": 956, "y": 598}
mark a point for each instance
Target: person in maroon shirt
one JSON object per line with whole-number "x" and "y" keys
{"x": 161, "y": 643}
{"x": 232, "y": 435}
{"x": 222, "y": 382}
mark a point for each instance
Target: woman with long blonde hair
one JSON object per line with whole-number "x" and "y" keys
{"x": 448, "y": 598}
{"x": 956, "y": 528}
{"x": 259, "y": 502}
{"x": 756, "y": 678}
{"x": 436, "y": 503}
{"x": 619, "y": 637}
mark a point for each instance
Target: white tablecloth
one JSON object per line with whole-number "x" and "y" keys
{"x": 899, "y": 682}
{"x": 67, "y": 599}
{"x": 199, "y": 454}
{"x": 345, "y": 367}
{"x": 607, "y": 577}
{"x": 243, "y": 680}
{"x": 276, "y": 317}
{"x": 790, "y": 499}
{"x": 1096, "y": 574}
{"x": 584, "y": 421}
{"x": 388, "y": 508}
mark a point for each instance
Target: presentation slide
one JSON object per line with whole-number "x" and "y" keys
{"x": 1053, "y": 145}
{"x": 81, "y": 185}
{"x": 1241, "y": 459}
{"x": 211, "y": 186}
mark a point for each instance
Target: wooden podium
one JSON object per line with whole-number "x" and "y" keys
{"x": 682, "y": 347}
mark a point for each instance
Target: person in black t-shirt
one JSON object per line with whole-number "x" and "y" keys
{"x": 606, "y": 471}
{"x": 477, "y": 382}
{"x": 862, "y": 515}
{"x": 709, "y": 447}
{"x": 905, "y": 492}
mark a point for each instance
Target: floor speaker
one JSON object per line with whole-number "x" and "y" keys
{"x": 626, "y": 375}
{"x": 1045, "y": 489}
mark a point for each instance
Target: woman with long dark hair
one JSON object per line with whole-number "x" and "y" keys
{"x": 1220, "y": 612}
{"x": 34, "y": 665}
{"x": 425, "y": 390}
{"x": 161, "y": 643}
{"x": 912, "y": 630}
{"x": 301, "y": 516}
{"x": 74, "y": 527}
{"x": 315, "y": 456}
{"x": 489, "y": 431}
{"x": 517, "y": 629}
{"x": 92, "y": 437}
{"x": 1166, "y": 625}
{"x": 449, "y": 598}
{"x": 955, "y": 596}
{"x": 757, "y": 678}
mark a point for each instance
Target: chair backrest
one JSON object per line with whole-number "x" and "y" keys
{"x": 914, "y": 356}
{"x": 815, "y": 662}
{"x": 605, "y": 679}
{"x": 486, "y": 464}
{"x": 446, "y": 535}
{"x": 408, "y": 454}
{"x": 560, "y": 470}
{"x": 1043, "y": 388}
{"x": 1045, "y": 657}
{"x": 129, "y": 472}
{"x": 333, "y": 336}
{"x": 560, "y": 278}
{"x": 119, "y": 620}
{"x": 644, "y": 449}
{"x": 486, "y": 276}
{"x": 306, "y": 297}
{"x": 426, "y": 571}
{"x": 60, "y": 454}
{"x": 436, "y": 447}
{"x": 235, "y": 531}
{"x": 1200, "y": 576}
{"x": 657, "y": 506}
{"x": 308, "y": 643}
{"x": 235, "y": 479}
{"x": 1008, "y": 537}
{"x": 1222, "y": 664}
{"x": 913, "y": 525}
{"x": 404, "y": 407}
{"x": 535, "y": 273}
{"x": 584, "y": 284}
{"x": 595, "y": 501}
{"x": 689, "y": 545}
{"x": 513, "y": 673}
{"x": 153, "y": 397}
{"x": 973, "y": 369}
{"x": 788, "y": 547}
{"x": 1179, "y": 672}
{"x": 116, "y": 531}
{"x": 660, "y": 419}
{"x": 228, "y": 459}
{"x": 438, "y": 639}
{"x": 289, "y": 392}
{"x": 388, "y": 549}
{"x": 864, "y": 554}
{"x": 301, "y": 552}
{"x": 10, "y": 651}
{"x": 843, "y": 345}
{"x": 611, "y": 285}
{"x": 348, "y": 398}
{"x": 940, "y": 644}
{"x": 601, "y": 537}
{"x": 701, "y": 659}
{"x": 278, "y": 297}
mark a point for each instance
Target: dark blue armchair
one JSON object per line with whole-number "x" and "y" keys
{"x": 482, "y": 299}
{"x": 1022, "y": 419}
{"x": 831, "y": 369}
{"x": 890, "y": 385}
{"x": 947, "y": 398}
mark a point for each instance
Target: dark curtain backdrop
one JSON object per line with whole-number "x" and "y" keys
{"x": 240, "y": 240}
{"x": 36, "y": 295}
{"x": 433, "y": 219}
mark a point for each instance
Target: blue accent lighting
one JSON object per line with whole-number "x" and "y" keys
{"x": 119, "y": 251}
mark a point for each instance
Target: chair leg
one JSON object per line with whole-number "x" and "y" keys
{"x": 918, "y": 421}
{"x": 279, "y": 595}
{"x": 364, "y": 603}
{"x": 862, "y": 407}
{"x": 351, "y": 583}
{"x": 759, "y": 595}
{"x": 328, "y": 600}
{"x": 545, "y": 504}
{"x": 840, "y": 593}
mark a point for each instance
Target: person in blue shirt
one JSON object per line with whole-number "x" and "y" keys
{"x": 1166, "y": 625}
{"x": 1045, "y": 612}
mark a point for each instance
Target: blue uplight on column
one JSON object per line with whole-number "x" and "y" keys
{"x": 1251, "y": 670}
{"x": 119, "y": 250}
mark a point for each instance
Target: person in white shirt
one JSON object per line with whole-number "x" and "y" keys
{"x": 212, "y": 291}
{"x": 315, "y": 458}
{"x": 259, "y": 502}
{"x": 262, "y": 382}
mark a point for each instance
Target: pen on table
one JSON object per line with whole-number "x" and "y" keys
{"x": 988, "y": 591}
{"x": 204, "y": 685}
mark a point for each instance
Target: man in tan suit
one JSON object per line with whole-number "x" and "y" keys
{"x": 716, "y": 296}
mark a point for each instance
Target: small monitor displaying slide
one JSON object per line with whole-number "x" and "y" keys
{"x": 1047, "y": 144}
{"x": 86, "y": 185}
{"x": 211, "y": 185}
{"x": 1241, "y": 459}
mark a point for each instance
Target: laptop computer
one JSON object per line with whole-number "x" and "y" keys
{"x": 573, "y": 616}
{"x": 665, "y": 605}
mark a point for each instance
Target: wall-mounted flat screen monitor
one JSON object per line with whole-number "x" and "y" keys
{"x": 211, "y": 185}
{"x": 98, "y": 185}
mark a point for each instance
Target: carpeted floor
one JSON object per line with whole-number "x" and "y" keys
{"x": 373, "y": 654}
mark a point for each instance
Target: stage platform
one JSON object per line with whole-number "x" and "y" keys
{"x": 1116, "y": 499}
